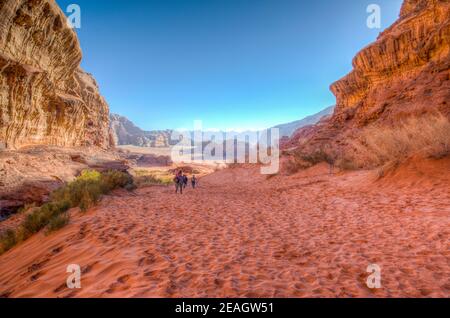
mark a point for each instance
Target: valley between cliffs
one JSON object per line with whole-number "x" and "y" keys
{"x": 312, "y": 233}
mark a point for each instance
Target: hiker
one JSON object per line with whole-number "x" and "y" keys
{"x": 179, "y": 181}
{"x": 185, "y": 181}
{"x": 194, "y": 181}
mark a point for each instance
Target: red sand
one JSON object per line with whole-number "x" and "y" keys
{"x": 239, "y": 235}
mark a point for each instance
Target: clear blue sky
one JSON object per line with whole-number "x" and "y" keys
{"x": 231, "y": 63}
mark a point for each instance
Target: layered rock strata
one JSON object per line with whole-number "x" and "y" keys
{"x": 45, "y": 97}
{"x": 405, "y": 72}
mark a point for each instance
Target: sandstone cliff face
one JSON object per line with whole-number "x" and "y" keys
{"x": 406, "y": 72}
{"x": 45, "y": 98}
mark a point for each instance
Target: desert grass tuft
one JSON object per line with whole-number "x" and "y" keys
{"x": 378, "y": 146}
{"x": 145, "y": 178}
{"x": 58, "y": 222}
{"x": 83, "y": 192}
{"x": 382, "y": 146}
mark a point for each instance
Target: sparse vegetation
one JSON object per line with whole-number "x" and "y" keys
{"x": 426, "y": 137}
{"x": 7, "y": 241}
{"x": 185, "y": 169}
{"x": 295, "y": 164}
{"x": 26, "y": 208}
{"x": 87, "y": 189}
{"x": 317, "y": 156}
{"x": 145, "y": 178}
{"x": 383, "y": 147}
{"x": 58, "y": 222}
{"x": 346, "y": 164}
{"x": 37, "y": 220}
{"x": 84, "y": 192}
{"x": 301, "y": 160}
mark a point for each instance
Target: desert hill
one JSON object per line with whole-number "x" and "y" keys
{"x": 239, "y": 235}
{"x": 287, "y": 130}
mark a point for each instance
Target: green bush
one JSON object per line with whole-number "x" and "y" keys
{"x": 153, "y": 180}
{"x": 7, "y": 241}
{"x": 37, "y": 220}
{"x": 87, "y": 189}
{"x": 83, "y": 192}
{"x": 115, "y": 179}
{"x": 89, "y": 175}
{"x": 58, "y": 222}
{"x": 26, "y": 208}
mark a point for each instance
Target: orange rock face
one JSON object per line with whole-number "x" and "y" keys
{"x": 406, "y": 72}
{"x": 45, "y": 97}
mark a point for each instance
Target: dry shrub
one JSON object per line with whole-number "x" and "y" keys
{"x": 346, "y": 164}
{"x": 301, "y": 159}
{"x": 185, "y": 169}
{"x": 427, "y": 137}
{"x": 40, "y": 218}
{"x": 7, "y": 241}
{"x": 317, "y": 156}
{"x": 295, "y": 164}
{"x": 84, "y": 192}
{"x": 151, "y": 180}
{"x": 58, "y": 222}
{"x": 145, "y": 178}
{"x": 88, "y": 188}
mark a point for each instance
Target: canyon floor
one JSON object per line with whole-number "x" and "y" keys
{"x": 241, "y": 234}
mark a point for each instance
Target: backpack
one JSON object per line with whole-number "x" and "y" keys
{"x": 178, "y": 179}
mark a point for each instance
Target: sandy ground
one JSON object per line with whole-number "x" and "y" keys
{"x": 242, "y": 235}
{"x": 157, "y": 151}
{"x": 181, "y": 159}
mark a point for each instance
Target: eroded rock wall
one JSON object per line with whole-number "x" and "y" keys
{"x": 45, "y": 97}
{"x": 405, "y": 72}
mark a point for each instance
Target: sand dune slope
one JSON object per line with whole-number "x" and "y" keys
{"x": 240, "y": 234}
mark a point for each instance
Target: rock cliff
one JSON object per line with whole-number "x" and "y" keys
{"x": 125, "y": 132}
{"x": 45, "y": 97}
{"x": 405, "y": 72}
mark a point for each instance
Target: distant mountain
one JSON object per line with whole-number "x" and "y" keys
{"x": 287, "y": 130}
{"x": 126, "y": 132}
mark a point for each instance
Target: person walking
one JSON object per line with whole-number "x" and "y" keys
{"x": 185, "y": 181}
{"x": 194, "y": 181}
{"x": 179, "y": 182}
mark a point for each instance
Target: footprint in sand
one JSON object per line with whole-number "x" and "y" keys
{"x": 119, "y": 285}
